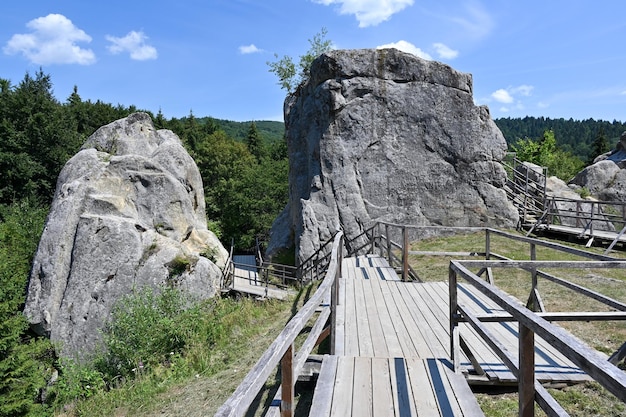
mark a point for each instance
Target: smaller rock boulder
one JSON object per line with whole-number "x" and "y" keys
{"x": 606, "y": 177}
{"x": 128, "y": 212}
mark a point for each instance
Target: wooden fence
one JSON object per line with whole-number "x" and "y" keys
{"x": 281, "y": 351}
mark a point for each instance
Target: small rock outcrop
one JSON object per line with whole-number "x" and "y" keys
{"x": 128, "y": 212}
{"x": 385, "y": 135}
{"x": 606, "y": 177}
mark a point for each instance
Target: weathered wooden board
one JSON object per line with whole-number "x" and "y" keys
{"x": 396, "y": 387}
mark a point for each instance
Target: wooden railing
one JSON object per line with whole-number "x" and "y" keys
{"x": 537, "y": 322}
{"x": 586, "y": 214}
{"x": 310, "y": 269}
{"x": 526, "y": 187}
{"x": 281, "y": 351}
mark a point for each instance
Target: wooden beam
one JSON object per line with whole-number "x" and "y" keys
{"x": 287, "y": 384}
{"x": 526, "y": 377}
{"x": 608, "y": 375}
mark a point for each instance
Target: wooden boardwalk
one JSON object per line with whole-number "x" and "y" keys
{"x": 246, "y": 280}
{"x": 391, "y": 350}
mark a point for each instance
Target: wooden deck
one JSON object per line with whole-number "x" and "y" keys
{"x": 385, "y": 317}
{"x": 391, "y": 350}
{"x": 246, "y": 280}
{"x": 580, "y": 233}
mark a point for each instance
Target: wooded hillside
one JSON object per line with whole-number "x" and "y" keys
{"x": 574, "y": 136}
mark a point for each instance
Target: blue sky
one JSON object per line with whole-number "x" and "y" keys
{"x": 558, "y": 58}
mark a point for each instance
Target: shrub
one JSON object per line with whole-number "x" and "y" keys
{"x": 149, "y": 327}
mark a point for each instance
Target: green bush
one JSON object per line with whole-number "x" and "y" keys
{"x": 146, "y": 328}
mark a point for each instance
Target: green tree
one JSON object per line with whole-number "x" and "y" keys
{"x": 254, "y": 142}
{"x": 544, "y": 152}
{"x": 290, "y": 76}
{"x": 599, "y": 146}
{"x": 26, "y": 363}
{"x": 38, "y": 137}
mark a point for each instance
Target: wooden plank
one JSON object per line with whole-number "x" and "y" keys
{"x": 351, "y": 332}
{"x": 364, "y": 336}
{"x": 325, "y": 387}
{"x": 374, "y": 319}
{"x": 423, "y": 394}
{"x": 404, "y": 406}
{"x": 462, "y": 392}
{"x": 446, "y": 399}
{"x": 382, "y": 404}
{"x": 339, "y": 343}
{"x": 391, "y": 335}
{"x": 435, "y": 333}
{"x": 362, "y": 391}
{"x": 396, "y": 316}
{"x": 409, "y": 334}
{"x": 342, "y": 397}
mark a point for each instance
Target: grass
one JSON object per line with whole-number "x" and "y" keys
{"x": 198, "y": 381}
{"x": 588, "y": 399}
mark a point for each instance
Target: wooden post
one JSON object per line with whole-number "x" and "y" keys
{"x": 287, "y": 383}
{"x": 526, "y": 377}
{"x": 405, "y": 254}
{"x": 389, "y": 257}
{"x": 380, "y": 239}
{"x": 454, "y": 327}
{"x": 488, "y": 255}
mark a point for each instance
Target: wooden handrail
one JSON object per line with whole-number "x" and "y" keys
{"x": 608, "y": 375}
{"x": 239, "y": 402}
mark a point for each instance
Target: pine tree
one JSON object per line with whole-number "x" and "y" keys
{"x": 254, "y": 142}
{"x": 599, "y": 146}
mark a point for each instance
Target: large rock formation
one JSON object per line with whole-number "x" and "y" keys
{"x": 128, "y": 212}
{"x": 384, "y": 135}
{"x": 606, "y": 177}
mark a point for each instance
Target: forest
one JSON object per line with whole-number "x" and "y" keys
{"x": 244, "y": 168}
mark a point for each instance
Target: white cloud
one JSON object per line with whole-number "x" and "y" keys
{"x": 54, "y": 40}
{"x": 444, "y": 51}
{"x": 525, "y": 90}
{"x": 477, "y": 22}
{"x": 133, "y": 43}
{"x": 408, "y": 47}
{"x": 249, "y": 49}
{"x": 510, "y": 95}
{"x": 502, "y": 96}
{"x": 369, "y": 12}
{"x": 623, "y": 93}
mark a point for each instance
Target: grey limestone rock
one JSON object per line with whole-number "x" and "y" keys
{"x": 606, "y": 177}
{"x": 128, "y": 212}
{"x": 384, "y": 135}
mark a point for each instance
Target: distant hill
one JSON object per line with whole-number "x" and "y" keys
{"x": 270, "y": 131}
{"x": 575, "y": 136}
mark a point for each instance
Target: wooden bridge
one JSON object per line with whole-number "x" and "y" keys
{"x": 407, "y": 348}
{"x": 584, "y": 219}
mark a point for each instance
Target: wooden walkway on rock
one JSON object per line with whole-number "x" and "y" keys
{"x": 391, "y": 349}
{"x": 246, "y": 280}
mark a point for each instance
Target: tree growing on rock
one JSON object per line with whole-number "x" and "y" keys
{"x": 290, "y": 76}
